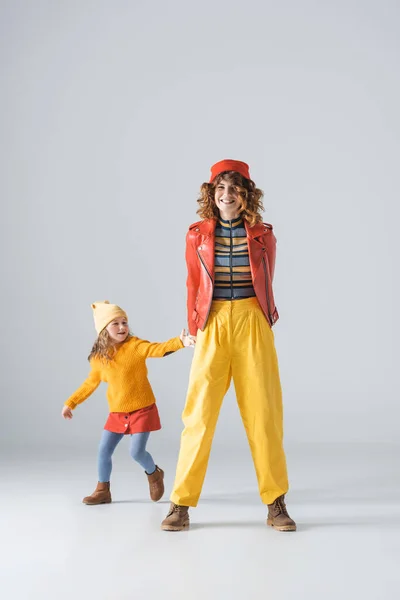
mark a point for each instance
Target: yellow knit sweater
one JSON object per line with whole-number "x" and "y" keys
{"x": 126, "y": 374}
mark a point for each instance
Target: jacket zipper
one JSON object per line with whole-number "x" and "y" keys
{"x": 204, "y": 265}
{"x": 267, "y": 290}
{"x": 230, "y": 259}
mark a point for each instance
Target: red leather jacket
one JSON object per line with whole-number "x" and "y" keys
{"x": 200, "y": 243}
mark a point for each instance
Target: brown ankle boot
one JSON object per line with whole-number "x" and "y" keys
{"x": 156, "y": 484}
{"x": 101, "y": 495}
{"x": 278, "y": 516}
{"x": 177, "y": 519}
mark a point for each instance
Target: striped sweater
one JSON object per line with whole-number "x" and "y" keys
{"x": 231, "y": 262}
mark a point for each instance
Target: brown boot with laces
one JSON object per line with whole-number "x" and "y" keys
{"x": 278, "y": 516}
{"x": 177, "y": 519}
{"x": 101, "y": 495}
{"x": 156, "y": 484}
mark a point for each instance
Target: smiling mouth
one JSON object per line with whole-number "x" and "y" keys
{"x": 227, "y": 201}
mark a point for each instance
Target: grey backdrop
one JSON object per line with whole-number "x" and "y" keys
{"x": 112, "y": 113}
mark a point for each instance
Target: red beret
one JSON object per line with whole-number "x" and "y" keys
{"x": 229, "y": 165}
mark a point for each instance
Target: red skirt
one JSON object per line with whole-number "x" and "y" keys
{"x": 138, "y": 421}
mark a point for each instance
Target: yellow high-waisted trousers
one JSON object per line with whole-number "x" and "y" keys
{"x": 236, "y": 342}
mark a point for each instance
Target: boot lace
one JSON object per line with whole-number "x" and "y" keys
{"x": 281, "y": 506}
{"x": 177, "y": 508}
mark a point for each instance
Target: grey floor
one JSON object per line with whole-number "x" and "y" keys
{"x": 345, "y": 499}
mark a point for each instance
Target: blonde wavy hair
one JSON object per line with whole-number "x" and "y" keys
{"x": 250, "y": 196}
{"x": 104, "y": 348}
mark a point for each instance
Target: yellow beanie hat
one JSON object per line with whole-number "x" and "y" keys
{"x": 104, "y": 313}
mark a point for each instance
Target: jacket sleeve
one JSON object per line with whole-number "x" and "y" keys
{"x": 192, "y": 281}
{"x": 157, "y": 350}
{"x": 270, "y": 245}
{"x": 85, "y": 390}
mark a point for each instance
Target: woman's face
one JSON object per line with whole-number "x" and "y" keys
{"x": 227, "y": 200}
{"x": 118, "y": 330}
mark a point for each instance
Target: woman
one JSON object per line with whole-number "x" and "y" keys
{"x": 230, "y": 257}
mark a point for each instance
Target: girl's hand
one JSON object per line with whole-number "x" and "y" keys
{"x": 66, "y": 412}
{"x": 187, "y": 340}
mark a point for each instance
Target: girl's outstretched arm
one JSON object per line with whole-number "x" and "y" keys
{"x": 158, "y": 350}
{"x": 84, "y": 391}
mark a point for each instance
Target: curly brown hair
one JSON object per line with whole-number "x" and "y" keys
{"x": 104, "y": 348}
{"x": 250, "y": 195}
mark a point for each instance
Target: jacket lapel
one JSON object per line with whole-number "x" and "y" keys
{"x": 206, "y": 247}
{"x": 256, "y": 245}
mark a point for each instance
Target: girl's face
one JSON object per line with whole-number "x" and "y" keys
{"x": 118, "y": 330}
{"x": 227, "y": 200}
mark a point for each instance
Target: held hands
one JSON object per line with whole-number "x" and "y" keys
{"x": 66, "y": 412}
{"x": 187, "y": 340}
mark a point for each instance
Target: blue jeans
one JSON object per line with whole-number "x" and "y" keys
{"x": 109, "y": 441}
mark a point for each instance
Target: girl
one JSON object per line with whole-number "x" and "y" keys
{"x": 230, "y": 257}
{"x": 119, "y": 358}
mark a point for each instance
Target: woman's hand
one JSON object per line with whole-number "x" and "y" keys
{"x": 187, "y": 340}
{"x": 66, "y": 412}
